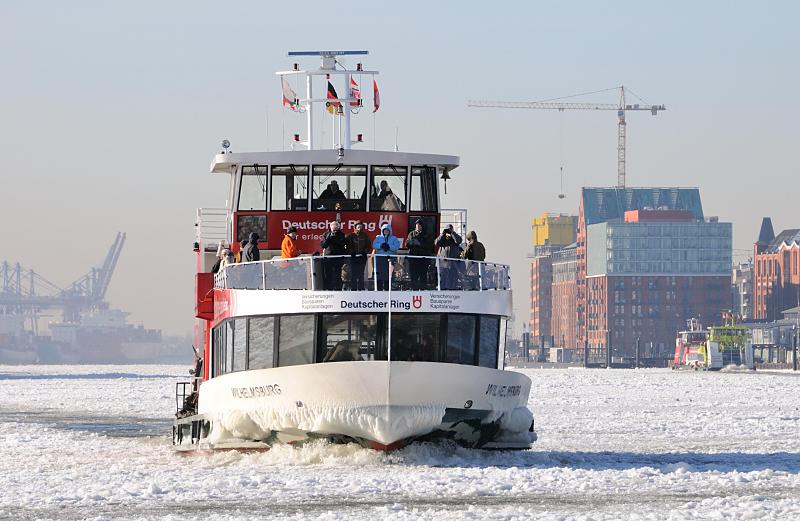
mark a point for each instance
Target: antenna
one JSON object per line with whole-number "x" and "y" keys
{"x": 330, "y": 69}
{"x": 396, "y": 132}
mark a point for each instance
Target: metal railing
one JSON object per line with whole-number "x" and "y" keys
{"x": 370, "y": 273}
{"x": 212, "y": 225}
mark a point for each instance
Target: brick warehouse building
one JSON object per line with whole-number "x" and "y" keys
{"x": 551, "y": 233}
{"x": 776, "y": 272}
{"x": 647, "y": 260}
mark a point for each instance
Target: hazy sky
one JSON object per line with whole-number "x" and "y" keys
{"x": 111, "y": 112}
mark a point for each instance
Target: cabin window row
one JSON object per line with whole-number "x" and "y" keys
{"x": 264, "y": 342}
{"x": 338, "y": 187}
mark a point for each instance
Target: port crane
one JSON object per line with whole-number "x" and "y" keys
{"x": 25, "y": 292}
{"x": 556, "y": 104}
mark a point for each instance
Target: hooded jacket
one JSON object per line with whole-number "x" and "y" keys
{"x": 392, "y": 243}
{"x": 251, "y": 253}
{"x": 475, "y": 249}
{"x": 449, "y": 245}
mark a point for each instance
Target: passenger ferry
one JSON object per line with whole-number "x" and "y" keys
{"x": 287, "y": 358}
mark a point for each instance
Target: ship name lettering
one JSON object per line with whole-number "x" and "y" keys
{"x": 503, "y": 391}
{"x": 256, "y": 391}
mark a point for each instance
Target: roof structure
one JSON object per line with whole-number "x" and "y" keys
{"x": 606, "y": 204}
{"x": 788, "y": 237}
{"x": 766, "y": 235}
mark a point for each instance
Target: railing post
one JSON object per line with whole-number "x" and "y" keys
{"x": 480, "y": 275}
{"x": 438, "y": 276}
{"x": 313, "y": 275}
{"x": 263, "y": 275}
{"x": 374, "y": 272}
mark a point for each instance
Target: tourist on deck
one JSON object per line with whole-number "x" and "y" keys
{"x": 474, "y": 251}
{"x": 449, "y": 244}
{"x": 384, "y": 248}
{"x": 224, "y": 257}
{"x": 238, "y": 255}
{"x": 251, "y": 253}
{"x": 334, "y": 243}
{"x": 288, "y": 246}
{"x": 420, "y": 245}
{"x": 358, "y": 246}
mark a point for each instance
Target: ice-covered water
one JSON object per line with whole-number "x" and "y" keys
{"x": 93, "y": 442}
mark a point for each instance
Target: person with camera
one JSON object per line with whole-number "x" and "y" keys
{"x": 419, "y": 245}
{"x": 384, "y": 248}
{"x": 449, "y": 244}
{"x": 358, "y": 246}
{"x": 335, "y": 244}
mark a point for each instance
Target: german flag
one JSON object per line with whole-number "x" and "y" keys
{"x": 333, "y": 107}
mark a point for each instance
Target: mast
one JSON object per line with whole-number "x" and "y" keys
{"x": 342, "y": 139}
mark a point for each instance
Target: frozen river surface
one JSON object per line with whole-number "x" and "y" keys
{"x": 93, "y": 442}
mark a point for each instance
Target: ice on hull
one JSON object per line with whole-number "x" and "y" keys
{"x": 377, "y": 404}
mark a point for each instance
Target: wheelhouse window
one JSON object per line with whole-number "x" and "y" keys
{"x": 488, "y": 339}
{"x": 416, "y": 337}
{"x": 261, "y": 335}
{"x": 296, "y": 340}
{"x": 388, "y": 189}
{"x": 339, "y": 187}
{"x": 423, "y": 189}
{"x": 347, "y": 338}
{"x": 239, "y": 344}
{"x": 253, "y": 189}
{"x": 289, "y": 188}
{"x": 460, "y": 340}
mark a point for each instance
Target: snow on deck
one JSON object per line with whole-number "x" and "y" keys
{"x": 94, "y": 442}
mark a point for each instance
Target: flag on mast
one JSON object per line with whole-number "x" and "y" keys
{"x": 289, "y": 96}
{"x": 333, "y": 107}
{"x": 376, "y": 98}
{"x": 355, "y": 92}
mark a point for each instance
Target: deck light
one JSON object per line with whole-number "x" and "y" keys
{"x": 296, "y": 66}
{"x": 358, "y": 66}
{"x": 360, "y": 138}
{"x": 445, "y": 177}
{"x": 225, "y": 146}
{"x": 341, "y": 152}
{"x": 297, "y": 137}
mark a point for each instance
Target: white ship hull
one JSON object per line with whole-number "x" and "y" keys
{"x": 379, "y": 404}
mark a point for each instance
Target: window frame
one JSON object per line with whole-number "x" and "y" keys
{"x": 267, "y": 187}
{"x": 371, "y": 184}
{"x": 294, "y": 172}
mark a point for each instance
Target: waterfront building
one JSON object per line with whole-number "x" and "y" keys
{"x": 776, "y": 272}
{"x": 647, "y": 259}
{"x": 742, "y": 290}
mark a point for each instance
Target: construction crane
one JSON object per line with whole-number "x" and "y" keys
{"x": 554, "y": 104}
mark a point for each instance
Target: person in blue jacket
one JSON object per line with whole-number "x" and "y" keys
{"x": 384, "y": 248}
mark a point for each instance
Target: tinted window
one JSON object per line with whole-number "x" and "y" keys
{"x": 339, "y": 188}
{"x": 228, "y": 347}
{"x": 423, "y": 189}
{"x": 296, "y": 343}
{"x": 460, "y": 340}
{"x": 289, "y": 188}
{"x": 388, "y": 189}
{"x": 239, "y": 344}
{"x": 262, "y": 339}
{"x": 415, "y": 337}
{"x": 253, "y": 188}
{"x": 487, "y": 342}
{"x": 347, "y": 338}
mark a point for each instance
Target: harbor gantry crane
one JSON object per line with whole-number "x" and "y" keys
{"x": 555, "y": 104}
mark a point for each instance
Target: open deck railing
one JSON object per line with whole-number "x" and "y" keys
{"x": 338, "y": 272}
